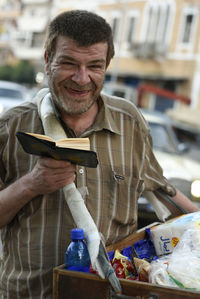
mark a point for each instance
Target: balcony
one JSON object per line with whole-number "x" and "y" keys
{"x": 31, "y": 43}
{"x": 149, "y": 50}
{"x": 28, "y": 53}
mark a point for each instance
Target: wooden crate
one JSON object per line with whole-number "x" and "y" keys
{"x": 78, "y": 285}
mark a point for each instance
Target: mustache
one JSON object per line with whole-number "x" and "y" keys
{"x": 78, "y": 87}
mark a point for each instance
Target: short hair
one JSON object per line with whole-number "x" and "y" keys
{"x": 84, "y": 27}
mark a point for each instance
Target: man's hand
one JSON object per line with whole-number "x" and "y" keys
{"x": 48, "y": 175}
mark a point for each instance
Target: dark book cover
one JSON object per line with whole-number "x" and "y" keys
{"x": 36, "y": 146}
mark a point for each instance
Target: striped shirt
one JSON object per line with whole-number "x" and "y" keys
{"x": 34, "y": 242}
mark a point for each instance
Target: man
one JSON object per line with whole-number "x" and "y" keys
{"x": 34, "y": 216}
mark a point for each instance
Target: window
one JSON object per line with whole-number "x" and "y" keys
{"x": 163, "y": 23}
{"x": 10, "y": 93}
{"x": 158, "y": 21}
{"x": 161, "y": 138}
{"x": 156, "y": 29}
{"x": 115, "y": 24}
{"x": 187, "y": 27}
{"x": 131, "y": 29}
{"x": 152, "y": 20}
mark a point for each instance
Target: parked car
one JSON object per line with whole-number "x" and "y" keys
{"x": 120, "y": 90}
{"x": 189, "y": 134}
{"x": 11, "y": 94}
{"x": 182, "y": 171}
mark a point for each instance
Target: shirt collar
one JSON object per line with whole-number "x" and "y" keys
{"x": 105, "y": 119}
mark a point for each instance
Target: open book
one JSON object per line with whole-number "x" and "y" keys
{"x": 75, "y": 150}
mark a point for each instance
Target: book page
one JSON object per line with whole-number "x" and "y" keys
{"x": 76, "y": 143}
{"x": 40, "y": 136}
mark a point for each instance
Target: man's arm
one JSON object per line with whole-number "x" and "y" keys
{"x": 47, "y": 176}
{"x": 185, "y": 202}
{"x": 182, "y": 201}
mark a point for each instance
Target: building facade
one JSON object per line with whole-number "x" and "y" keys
{"x": 156, "y": 42}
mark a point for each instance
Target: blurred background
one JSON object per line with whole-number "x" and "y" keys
{"x": 156, "y": 66}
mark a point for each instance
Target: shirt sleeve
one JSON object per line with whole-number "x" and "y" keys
{"x": 153, "y": 173}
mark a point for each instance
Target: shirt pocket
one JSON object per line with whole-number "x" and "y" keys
{"x": 124, "y": 191}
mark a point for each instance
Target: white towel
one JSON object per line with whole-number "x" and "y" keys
{"x": 160, "y": 209}
{"x": 79, "y": 211}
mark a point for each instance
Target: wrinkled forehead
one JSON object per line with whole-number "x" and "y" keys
{"x": 67, "y": 47}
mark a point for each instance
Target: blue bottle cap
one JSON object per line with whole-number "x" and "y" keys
{"x": 77, "y": 233}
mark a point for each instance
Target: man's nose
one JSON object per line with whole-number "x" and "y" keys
{"x": 81, "y": 76}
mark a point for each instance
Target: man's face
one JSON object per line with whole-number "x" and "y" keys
{"x": 76, "y": 75}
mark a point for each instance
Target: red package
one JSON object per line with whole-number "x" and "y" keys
{"x": 123, "y": 266}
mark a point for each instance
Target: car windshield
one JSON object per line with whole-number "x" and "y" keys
{"x": 10, "y": 93}
{"x": 161, "y": 138}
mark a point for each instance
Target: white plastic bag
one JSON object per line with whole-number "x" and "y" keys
{"x": 184, "y": 264}
{"x": 158, "y": 273}
{"x": 182, "y": 267}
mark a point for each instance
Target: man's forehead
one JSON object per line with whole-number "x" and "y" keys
{"x": 67, "y": 40}
{"x": 68, "y": 47}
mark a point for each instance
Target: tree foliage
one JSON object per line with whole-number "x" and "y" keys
{"x": 23, "y": 72}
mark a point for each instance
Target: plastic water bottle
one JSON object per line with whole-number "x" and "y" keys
{"x": 76, "y": 256}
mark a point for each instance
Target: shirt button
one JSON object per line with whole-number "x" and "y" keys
{"x": 81, "y": 171}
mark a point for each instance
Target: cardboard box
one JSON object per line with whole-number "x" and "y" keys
{"x": 78, "y": 285}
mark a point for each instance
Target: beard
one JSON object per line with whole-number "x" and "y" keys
{"x": 70, "y": 105}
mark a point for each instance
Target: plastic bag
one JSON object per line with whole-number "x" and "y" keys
{"x": 182, "y": 267}
{"x": 158, "y": 272}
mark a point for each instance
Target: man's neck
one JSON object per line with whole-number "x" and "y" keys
{"x": 81, "y": 122}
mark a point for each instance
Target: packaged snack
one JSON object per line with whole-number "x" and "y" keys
{"x": 143, "y": 268}
{"x": 123, "y": 266}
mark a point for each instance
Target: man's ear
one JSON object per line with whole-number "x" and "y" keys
{"x": 46, "y": 59}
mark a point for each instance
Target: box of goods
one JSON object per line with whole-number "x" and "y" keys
{"x": 145, "y": 279}
{"x": 166, "y": 236}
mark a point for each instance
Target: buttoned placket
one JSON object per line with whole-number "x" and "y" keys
{"x": 81, "y": 181}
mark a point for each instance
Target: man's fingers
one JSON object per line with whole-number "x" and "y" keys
{"x": 52, "y": 163}
{"x": 49, "y": 175}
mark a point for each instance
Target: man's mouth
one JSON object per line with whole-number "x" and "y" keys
{"x": 77, "y": 92}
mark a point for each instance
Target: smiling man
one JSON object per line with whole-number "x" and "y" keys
{"x": 35, "y": 219}
{"x": 76, "y": 77}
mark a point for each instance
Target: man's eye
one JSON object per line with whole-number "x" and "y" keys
{"x": 96, "y": 66}
{"x": 67, "y": 63}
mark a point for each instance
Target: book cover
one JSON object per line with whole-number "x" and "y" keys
{"x": 40, "y": 147}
